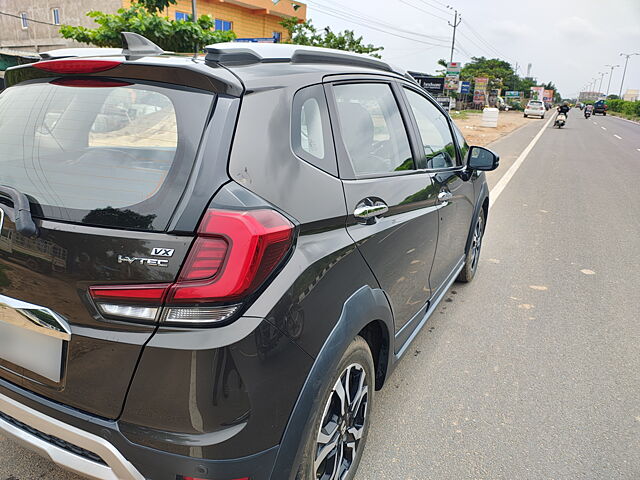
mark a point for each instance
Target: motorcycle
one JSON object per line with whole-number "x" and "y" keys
{"x": 561, "y": 119}
{"x": 587, "y": 113}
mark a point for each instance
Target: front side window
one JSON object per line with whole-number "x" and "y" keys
{"x": 372, "y": 129}
{"x": 223, "y": 25}
{"x": 439, "y": 149}
{"x": 24, "y": 20}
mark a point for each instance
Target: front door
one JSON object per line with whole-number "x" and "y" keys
{"x": 455, "y": 195}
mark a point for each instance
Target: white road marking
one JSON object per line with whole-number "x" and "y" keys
{"x": 638, "y": 149}
{"x": 617, "y": 136}
{"x": 506, "y": 178}
{"x": 595, "y": 123}
{"x": 603, "y": 128}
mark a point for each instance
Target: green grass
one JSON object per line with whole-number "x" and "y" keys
{"x": 624, "y": 115}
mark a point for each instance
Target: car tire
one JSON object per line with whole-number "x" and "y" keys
{"x": 525, "y": 115}
{"x": 604, "y": 114}
{"x": 334, "y": 435}
{"x": 473, "y": 255}
{"x": 541, "y": 117}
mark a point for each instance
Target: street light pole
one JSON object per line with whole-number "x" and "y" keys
{"x": 602, "y": 74}
{"x": 610, "y": 77}
{"x": 625, "y": 69}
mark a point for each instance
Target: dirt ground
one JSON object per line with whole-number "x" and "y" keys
{"x": 482, "y": 136}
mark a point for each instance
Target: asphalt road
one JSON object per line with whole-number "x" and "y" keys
{"x": 532, "y": 370}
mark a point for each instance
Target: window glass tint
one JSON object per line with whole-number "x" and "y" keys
{"x": 462, "y": 143}
{"x": 311, "y": 135}
{"x": 434, "y": 130}
{"x": 310, "y": 130}
{"x": 372, "y": 129}
{"x": 105, "y": 155}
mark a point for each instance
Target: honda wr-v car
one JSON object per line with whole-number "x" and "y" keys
{"x": 208, "y": 266}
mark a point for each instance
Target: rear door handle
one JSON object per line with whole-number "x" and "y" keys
{"x": 444, "y": 196}
{"x": 368, "y": 209}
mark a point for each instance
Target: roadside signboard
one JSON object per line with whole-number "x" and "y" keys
{"x": 548, "y": 96}
{"x": 465, "y": 87}
{"x": 454, "y": 68}
{"x": 537, "y": 93}
{"x": 430, "y": 84}
{"x": 479, "y": 93}
{"x": 451, "y": 82}
{"x": 512, "y": 94}
{"x": 445, "y": 102}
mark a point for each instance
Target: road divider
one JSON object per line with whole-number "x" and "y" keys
{"x": 496, "y": 191}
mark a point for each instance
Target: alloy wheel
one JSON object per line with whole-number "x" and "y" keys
{"x": 342, "y": 425}
{"x": 476, "y": 242}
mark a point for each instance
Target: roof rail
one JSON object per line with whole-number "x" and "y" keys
{"x": 240, "y": 54}
{"x": 133, "y": 46}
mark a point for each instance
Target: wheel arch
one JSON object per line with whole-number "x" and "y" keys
{"x": 367, "y": 313}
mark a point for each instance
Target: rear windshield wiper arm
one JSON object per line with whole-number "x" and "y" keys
{"x": 22, "y": 211}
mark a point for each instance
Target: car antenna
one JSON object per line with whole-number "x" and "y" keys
{"x": 136, "y": 46}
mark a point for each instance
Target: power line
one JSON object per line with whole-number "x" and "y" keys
{"x": 425, "y": 2}
{"x": 356, "y": 15}
{"x": 485, "y": 41}
{"x": 423, "y": 10}
{"x": 28, "y": 19}
{"x": 350, "y": 18}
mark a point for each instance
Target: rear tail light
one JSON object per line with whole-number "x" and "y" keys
{"x": 232, "y": 256}
{"x": 76, "y": 65}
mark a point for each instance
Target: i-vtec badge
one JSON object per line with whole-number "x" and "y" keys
{"x": 152, "y": 262}
{"x": 162, "y": 252}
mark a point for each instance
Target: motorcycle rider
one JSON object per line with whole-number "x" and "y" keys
{"x": 588, "y": 109}
{"x": 564, "y": 108}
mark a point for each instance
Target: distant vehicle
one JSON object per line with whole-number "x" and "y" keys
{"x": 600, "y": 107}
{"x": 534, "y": 108}
{"x": 561, "y": 119}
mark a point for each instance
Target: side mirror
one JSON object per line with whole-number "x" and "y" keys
{"x": 480, "y": 158}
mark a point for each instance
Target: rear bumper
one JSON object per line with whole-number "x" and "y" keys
{"x": 96, "y": 449}
{"x": 65, "y": 445}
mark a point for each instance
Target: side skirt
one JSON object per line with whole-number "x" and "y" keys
{"x": 405, "y": 336}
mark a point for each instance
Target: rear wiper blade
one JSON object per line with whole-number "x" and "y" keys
{"x": 22, "y": 211}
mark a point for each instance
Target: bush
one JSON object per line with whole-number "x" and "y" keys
{"x": 631, "y": 109}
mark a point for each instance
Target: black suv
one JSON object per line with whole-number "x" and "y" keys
{"x": 209, "y": 265}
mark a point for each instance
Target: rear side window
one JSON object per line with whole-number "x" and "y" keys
{"x": 372, "y": 129}
{"x": 310, "y": 129}
{"x": 101, "y": 152}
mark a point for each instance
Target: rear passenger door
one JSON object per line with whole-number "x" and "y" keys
{"x": 455, "y": 194}
{"x": 392, "y": 205}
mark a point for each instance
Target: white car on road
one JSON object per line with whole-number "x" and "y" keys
{"x": 535, "y": 108}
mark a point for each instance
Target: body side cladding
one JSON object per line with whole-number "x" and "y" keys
{"x": 366, "y": 305}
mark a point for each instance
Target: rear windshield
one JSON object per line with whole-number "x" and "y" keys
{"x": 101, "y": 152}
{"x": 535, "y": 103}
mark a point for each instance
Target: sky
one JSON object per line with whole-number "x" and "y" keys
{"x": 568, "y": 42}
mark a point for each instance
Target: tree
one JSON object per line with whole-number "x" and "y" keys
{"x": 170, "y": 35}
{"x": 307, "y": 34}
{"x": 499, "y": 72}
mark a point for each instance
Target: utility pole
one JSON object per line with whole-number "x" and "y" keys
{"x": 625, "y": 68}
{"x": 193, "y": 11}
{"x": 456, "y": 21}
{"x": 610, "y": 77}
